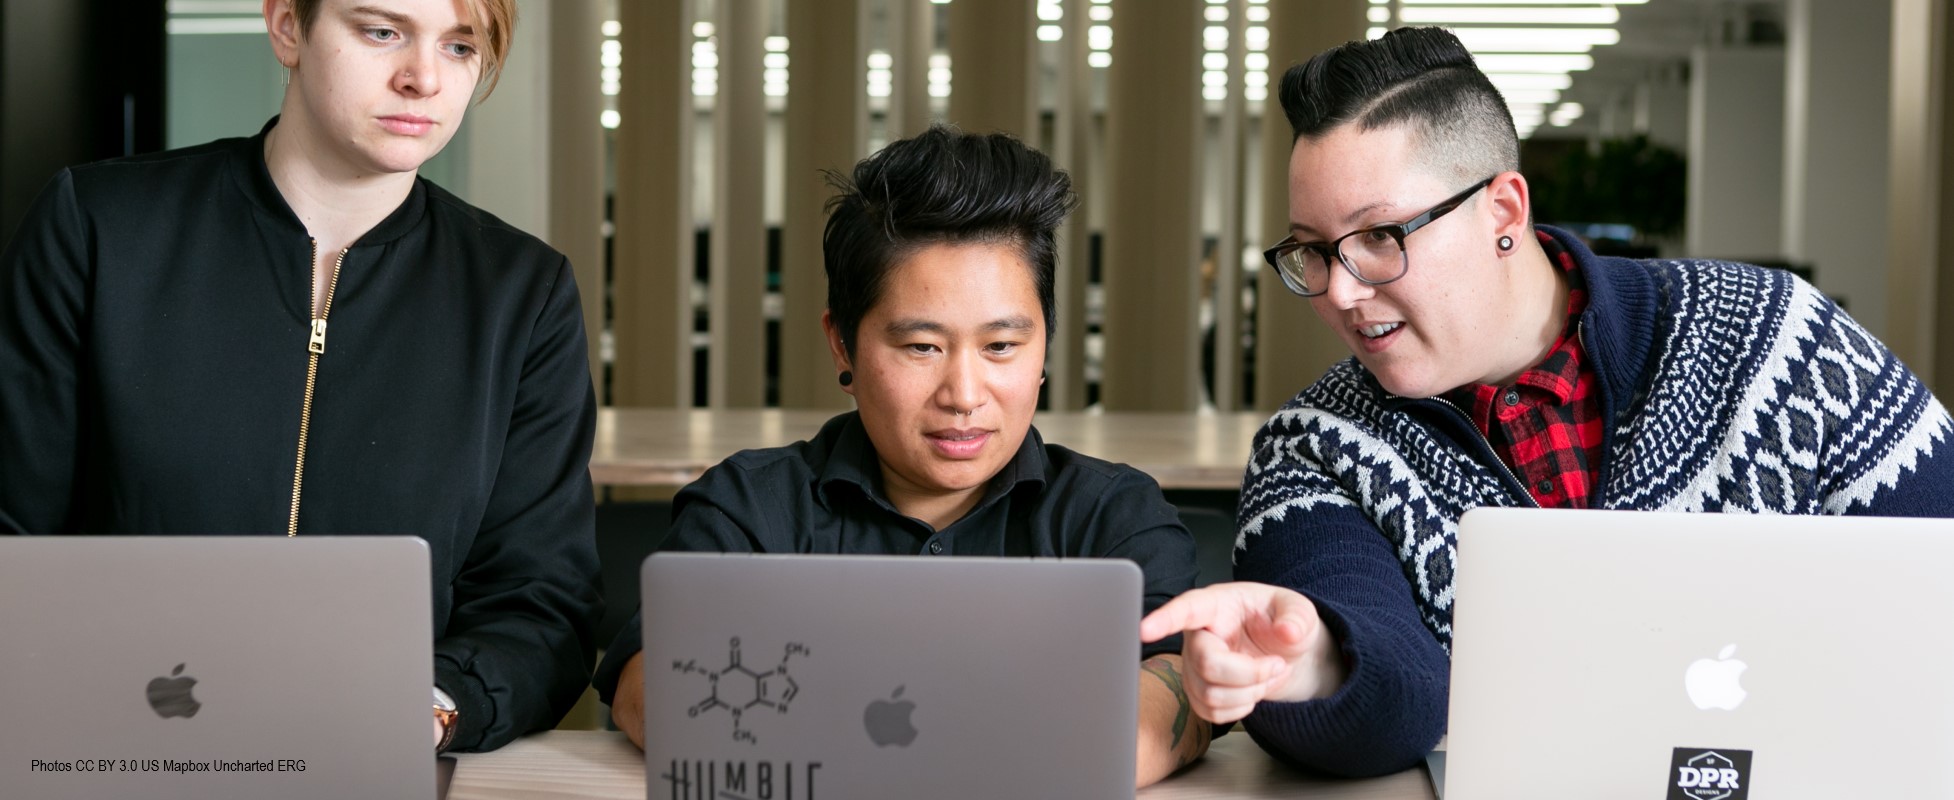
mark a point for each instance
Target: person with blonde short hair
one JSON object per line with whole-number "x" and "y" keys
{"x": 293, "y": 333}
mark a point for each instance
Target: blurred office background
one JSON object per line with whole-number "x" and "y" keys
{"x": 672, "y": 149}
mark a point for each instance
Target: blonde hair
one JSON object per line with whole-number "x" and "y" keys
{"x": 495, "y": 22}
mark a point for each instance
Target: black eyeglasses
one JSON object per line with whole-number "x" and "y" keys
{"x": 1376, "y": 256}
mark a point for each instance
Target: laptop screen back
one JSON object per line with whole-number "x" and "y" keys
{"x": 215, "y": 668}
{"x": 800, "y": 677}
{"x": 1622, "y": 654}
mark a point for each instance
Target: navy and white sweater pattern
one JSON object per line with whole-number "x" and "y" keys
{"x": 1725, "y": 387}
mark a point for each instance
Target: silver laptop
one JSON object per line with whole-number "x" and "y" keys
{"x": 806, "y": 677}
{"x": 1700, "y": 657}
{"x": 215, "y": 668}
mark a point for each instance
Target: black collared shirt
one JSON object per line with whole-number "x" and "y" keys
{"x": 825, "y": 496}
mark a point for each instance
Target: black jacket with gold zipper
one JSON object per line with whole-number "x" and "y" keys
{"x": 155, "y": 334}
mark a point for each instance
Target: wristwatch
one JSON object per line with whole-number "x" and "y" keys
{"x": 446, "y": 713}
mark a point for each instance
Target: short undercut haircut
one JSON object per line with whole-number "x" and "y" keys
{"x": 1422, "y": 78}
{"x": 941, "y": 187}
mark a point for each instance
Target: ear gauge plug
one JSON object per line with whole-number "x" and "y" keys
{"x": 1505, "y": 243}
{"x": 847, "y": 377}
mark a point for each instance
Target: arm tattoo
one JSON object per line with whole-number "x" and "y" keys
{"x": 1164, "y": 670}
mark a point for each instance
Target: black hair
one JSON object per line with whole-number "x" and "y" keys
{"x": 1420, "y": 77}
{"x": 941, "y": 187}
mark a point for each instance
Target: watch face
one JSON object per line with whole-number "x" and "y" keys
{"x": 445, "y": 715}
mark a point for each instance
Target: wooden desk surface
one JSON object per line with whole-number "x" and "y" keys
{"x": 594, "y": 764}
{"x": 670, "y": 447}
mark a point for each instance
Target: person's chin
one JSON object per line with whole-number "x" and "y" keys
{"x": 401, "y": 156}
{"x": 1402, "y": 382}
{"x": 961, "y": 475}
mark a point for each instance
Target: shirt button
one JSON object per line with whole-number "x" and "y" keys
{"x": 1545, "y": 486}
{"x": 1511, "y": 398}
{"x": 936, "y": 548}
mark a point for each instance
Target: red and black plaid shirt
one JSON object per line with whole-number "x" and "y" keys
{"x": 1547, "y": 425}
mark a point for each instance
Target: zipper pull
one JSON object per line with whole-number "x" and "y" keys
{"x": 318, "y": 343}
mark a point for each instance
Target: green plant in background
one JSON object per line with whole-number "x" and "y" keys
{"x": 1630, "y": 181}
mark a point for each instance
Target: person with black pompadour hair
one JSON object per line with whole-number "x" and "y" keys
{"x": 939, "y": 253}
{"x": 943, "y": 187}
{"x": 1498, "y": 363}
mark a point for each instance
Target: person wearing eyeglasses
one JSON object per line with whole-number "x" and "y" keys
{"x": 1498, "y": 363}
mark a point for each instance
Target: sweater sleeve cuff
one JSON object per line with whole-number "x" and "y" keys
{"x": 629, "y": 641}
{"x": 472, "y": 703}
{"x": 1374, "y": 724}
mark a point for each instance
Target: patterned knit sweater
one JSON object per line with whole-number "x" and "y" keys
{"x": 1725, "y": 387}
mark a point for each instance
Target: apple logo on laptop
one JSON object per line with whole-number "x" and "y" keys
{"x": 888, "y": 721}
{"x": 1714, "y": 684}
{"x": 171, "y": 696}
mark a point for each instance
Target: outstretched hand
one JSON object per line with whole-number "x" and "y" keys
{"x": 1245, "y": 643}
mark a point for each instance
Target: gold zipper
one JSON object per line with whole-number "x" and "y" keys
{"x": 315, "y": 346}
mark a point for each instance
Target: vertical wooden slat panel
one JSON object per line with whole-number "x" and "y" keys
{"x": 1228, "y": 246}
{"x": 1942, "y": 376}
{"x": 1292, "y": 348}
{"x": 1065, "y": 382}
{"x": 992, "y": 51}
{"x": 912, "y": 37}
{"x": 653, "y": 252}
{"x": 737, "y": 352}
{"x": 827, "y": 117}
{"x": 1921, "y": 256}
{"x": 576, "y": 159}
{"x": 1153, "y": 237}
